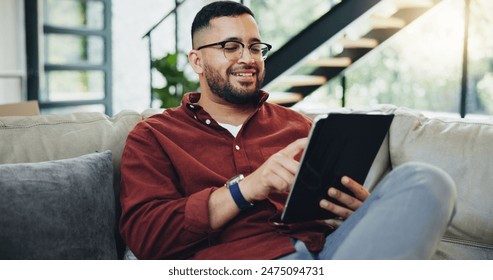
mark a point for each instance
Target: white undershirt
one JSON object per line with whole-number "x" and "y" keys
{"x": 233, "y": 129}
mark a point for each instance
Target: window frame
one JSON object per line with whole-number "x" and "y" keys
{"x": 36, "y": 30}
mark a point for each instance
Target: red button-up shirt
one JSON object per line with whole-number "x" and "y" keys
{"x": 171, "y": 164}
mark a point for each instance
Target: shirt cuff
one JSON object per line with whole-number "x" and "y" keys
{"x": 197, "y": 212}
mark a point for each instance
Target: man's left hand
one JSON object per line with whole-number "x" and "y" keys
{"x": 351, "y": 203}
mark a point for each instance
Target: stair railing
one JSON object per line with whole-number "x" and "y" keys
{"x": 148, "y": 36}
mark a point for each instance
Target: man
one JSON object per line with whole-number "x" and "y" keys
{"x": 184, "y": 195}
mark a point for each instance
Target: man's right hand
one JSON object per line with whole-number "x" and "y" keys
{"x": 276, "y": 174}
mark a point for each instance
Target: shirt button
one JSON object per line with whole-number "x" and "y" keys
{"x": 237, "y": 147}
{"x": 208, "y": 121}
{"x": 191, "y": 106}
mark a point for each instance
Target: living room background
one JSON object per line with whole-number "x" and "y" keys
{"x": 420, "y": 67}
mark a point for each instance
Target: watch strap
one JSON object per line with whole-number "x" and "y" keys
{"x": 239, "y": 199}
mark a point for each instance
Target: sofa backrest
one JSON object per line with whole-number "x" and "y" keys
{"x": 52, "y": 137}
{"x": 463, "y": 148}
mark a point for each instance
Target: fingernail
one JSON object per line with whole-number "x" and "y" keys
{"x": 324, "y": 203}
{"x": 332, "y": 192}
{"x": 345, "y": 180}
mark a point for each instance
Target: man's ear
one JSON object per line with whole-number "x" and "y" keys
{"x": 195, "y": 60}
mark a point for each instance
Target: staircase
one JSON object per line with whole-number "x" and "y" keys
{"x": 336, "y": 41}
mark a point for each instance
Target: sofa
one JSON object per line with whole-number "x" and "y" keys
{"x": 60, "y": 180}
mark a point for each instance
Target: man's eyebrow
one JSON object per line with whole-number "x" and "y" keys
{"x": 253, "y": 40}
{"x": 232, "y": 39}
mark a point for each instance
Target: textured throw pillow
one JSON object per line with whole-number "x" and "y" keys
{"x": 62, "y": 209}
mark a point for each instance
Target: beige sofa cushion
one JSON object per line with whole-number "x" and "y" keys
{"x": 52, "y": 137}
{"x": 464, "y": 149}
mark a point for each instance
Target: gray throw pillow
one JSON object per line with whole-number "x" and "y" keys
{"x": 62, "y": 209}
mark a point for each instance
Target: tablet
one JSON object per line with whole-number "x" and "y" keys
{"x": 339, "y": 144}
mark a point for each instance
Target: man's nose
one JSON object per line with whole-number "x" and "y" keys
{"x": 246, "y": 56}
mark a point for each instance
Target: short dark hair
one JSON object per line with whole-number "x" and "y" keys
{"x": 218, "y": 9}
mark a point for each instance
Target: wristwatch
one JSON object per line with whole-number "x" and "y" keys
{"x": 234, "y": 189}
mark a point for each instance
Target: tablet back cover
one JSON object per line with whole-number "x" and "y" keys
{"x": 340, "y": 144}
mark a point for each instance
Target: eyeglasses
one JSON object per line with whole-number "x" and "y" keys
{"x": 233, "y": 50}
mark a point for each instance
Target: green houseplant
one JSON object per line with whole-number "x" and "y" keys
{"x": 177, "y": 82}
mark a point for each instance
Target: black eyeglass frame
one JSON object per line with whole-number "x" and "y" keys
{"x": 249, "y": 46}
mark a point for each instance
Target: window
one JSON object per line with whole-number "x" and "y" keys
{"x": 422, "y": 67}
{"x": 69, "y": 59}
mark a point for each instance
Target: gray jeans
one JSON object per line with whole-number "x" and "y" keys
{"x": 404, "y": 218}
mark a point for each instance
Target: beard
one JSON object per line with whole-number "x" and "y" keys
{"x": 236, "y": 95}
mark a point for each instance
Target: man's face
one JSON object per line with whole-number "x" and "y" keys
{"x": 238, "y": 80}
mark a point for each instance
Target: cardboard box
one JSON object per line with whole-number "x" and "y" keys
{"x": 28, "y": 108}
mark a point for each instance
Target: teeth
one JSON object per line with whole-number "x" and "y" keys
{"x": 244, "y": 74}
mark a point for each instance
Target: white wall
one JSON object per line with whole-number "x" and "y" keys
{"x": 131, "y": 66}
{"x": 12, "y": 51}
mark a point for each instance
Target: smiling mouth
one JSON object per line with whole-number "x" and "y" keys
{"x": 243, "y": 74}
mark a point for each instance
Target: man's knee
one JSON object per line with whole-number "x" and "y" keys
{"x": 428, "y": 178}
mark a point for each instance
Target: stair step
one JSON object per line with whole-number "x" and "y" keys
{"x": 386, "y": 23}
{"x": 278, "y": 97}
{"x": 303, "y": 80}
{"x": 403, "y": 4}
{"x": 330, "y": 62}
{"x": 381, "y": 34}
{"x": 367, "y": 43}
{"x": 410, "y": 14}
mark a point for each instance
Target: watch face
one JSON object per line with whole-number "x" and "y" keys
{"x": 235, "y": 179}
